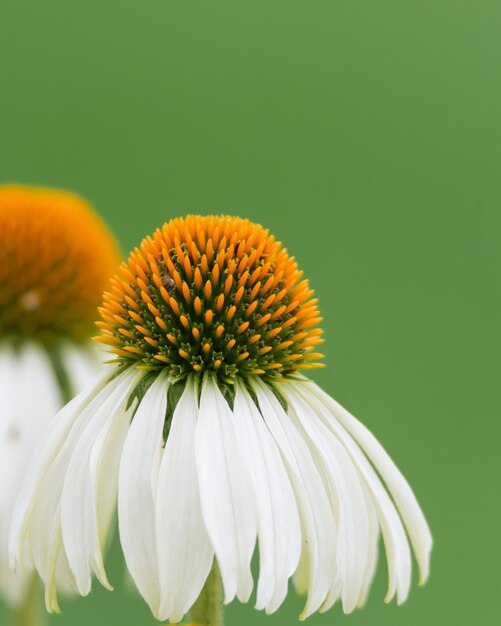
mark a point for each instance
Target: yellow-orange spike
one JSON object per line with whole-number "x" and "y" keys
{"x": 195, "y": 255}
{"x": 186, "y": 293}
{"x": 268, "y": 302}
{"x": 174, "y": 305}
{"x": 227, "y": 284}
{"x": 184, "y": 321}
{"x": 274, "y": 332}
{"x": 219, "y": 331}
{"x": 196, "y": 333}
{"x": 255, "y": 291}
{"x": 219, "y": 302}
{"x": 280, "y": 311}
{"x": 187, "y": 267}
{"x": 209, "y": 316}
{"x": 243, "y": 327}
{"x": 251, "y": 308}
{"x": 197, "y": 305}
{"x": 215, "y": 275}
{"x": 263, "y": 320}
{"x": 160, "y": 322}
{"x": 230, "y": 313}
{"x": 238, "y": 296}
{"x": 198, "y": 278}
{"x": 268, "y": 284}
{"x": 136, "y": 317}
{"x": 243, "y": 279}
{"x": 208, "y": 290}
{"x": 230, "y": 344}
{"x": 242, "y": 356}
{"x": 210, "y": 250}
{"x": 153, "y": 309}
{"x": 204, "y": 266}
{"x": 206, "y": 348}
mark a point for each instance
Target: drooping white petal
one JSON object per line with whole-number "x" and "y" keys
{"x": 226, "y": 493}
{"x": 395, "y": 539}
{"x": 372, "y": 558}
{"x": 347, "y": 499}
{"x": 185, "y": 552}
{"x": 318, "y": 561}
{"x": 399, "y": 488}
{"x": 279, "y": 528}
{"x": 42, "y": 489}
{"x": 29, "y": 399}
{"x": 136, "y": 493}
{"x": 79, "y": 517}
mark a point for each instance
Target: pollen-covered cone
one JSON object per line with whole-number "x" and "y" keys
{"x": 212, "y": 440}
{"x": 56, "y": 258}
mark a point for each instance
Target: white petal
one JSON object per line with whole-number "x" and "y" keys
{"x": 371, "y": 564}
{"x": 318, "y": 524}
{"x": 29, "y": 399}
{"x": 347, "y": 499}
{"x": 42, "y": 489}
{"x": 136, "y": 495}
{"x": 395, "y": 539}
{"x": 79, "y": 520}
{"x": 279, "y": 528}
{"x": 184, "y": 549}
{"x": 82, "y": 364}
{"x": 226, "y": 493}
{"x": 399, "y": 488}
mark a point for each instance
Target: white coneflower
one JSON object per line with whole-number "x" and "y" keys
{"x": 213, "y": 440}
{"x": 56, "y": 257}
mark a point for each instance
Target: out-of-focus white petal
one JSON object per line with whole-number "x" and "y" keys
{"x": 347, "y": 498}
{"x": 399, "y": 488}
{"x": 279, "y": 528}
{"x": 228, "y": 505}
{"x": 79, "y": 515}
{"x": 29, "y": 399}
{"x": 83, "y": 365}
{"x": 136, "y": 494}
{"x": 185, "y": 552}
{"x": 395, "y": 539}
{"x": 318, "y": 524}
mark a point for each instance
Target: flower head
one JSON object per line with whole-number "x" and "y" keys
{"x": 212, "y": 439}
{"x": 56, "y": 257}
{"x": 212, "y": 294}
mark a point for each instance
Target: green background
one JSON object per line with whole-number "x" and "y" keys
{"x": 366, "y": 136}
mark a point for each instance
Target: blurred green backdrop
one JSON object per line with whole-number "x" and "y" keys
{"x": 366, "y": 135}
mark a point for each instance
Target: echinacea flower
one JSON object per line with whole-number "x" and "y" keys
{"x": 56, "y": 257}
{"x": 212, "y": 439}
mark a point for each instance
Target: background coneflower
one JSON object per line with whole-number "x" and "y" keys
{"x": 56, "y": 257}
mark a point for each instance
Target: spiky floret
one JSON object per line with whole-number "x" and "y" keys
{"x": 213, "y": 294}
{"x": 56, "y": 257}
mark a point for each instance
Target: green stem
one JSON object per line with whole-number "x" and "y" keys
{"x": 30, "y": 613}
{"x": 63, "y": 380}
{"x": 208, "y": 609}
